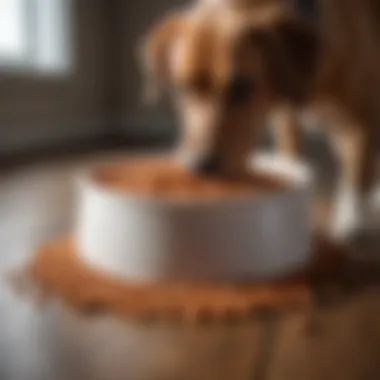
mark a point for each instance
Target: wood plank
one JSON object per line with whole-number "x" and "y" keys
{"x": 111, "y": 348}
{"x": 344, "y": 346}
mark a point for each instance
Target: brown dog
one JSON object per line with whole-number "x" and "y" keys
{"x": 231, "y": 63}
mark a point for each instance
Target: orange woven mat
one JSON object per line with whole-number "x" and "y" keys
{"x": 59, "y": 270}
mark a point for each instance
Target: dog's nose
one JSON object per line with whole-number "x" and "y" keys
{"x": 208, "y": 165}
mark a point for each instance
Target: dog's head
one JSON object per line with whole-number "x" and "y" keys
{"x": 225, "y": 68}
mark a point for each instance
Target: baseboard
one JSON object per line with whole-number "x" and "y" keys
{"x": 149, "y": 127}
{"x": 33, "y": 137}
{"x": 35, "y": 143}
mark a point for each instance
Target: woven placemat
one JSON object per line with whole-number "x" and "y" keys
{"x": 58, "y": 269}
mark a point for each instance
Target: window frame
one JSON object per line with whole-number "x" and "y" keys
{"x": 26, "y": 64}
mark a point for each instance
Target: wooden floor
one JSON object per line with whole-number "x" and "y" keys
{"x": 55, "y": 342}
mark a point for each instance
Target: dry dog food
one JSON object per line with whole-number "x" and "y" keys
{"x": 167, "y": 177}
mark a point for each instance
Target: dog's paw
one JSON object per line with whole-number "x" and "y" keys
{"x": 349, "y": 215}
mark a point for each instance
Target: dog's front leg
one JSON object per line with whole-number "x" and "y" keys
{"x": 355, "y": 148}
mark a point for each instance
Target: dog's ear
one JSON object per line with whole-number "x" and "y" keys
{"x": 155, "y": 55}
{"x": 290, "y": 49}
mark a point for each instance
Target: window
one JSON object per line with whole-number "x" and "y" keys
{"x": 34, "y": 35}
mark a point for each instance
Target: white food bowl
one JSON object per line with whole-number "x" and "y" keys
{"x": 147, "y": 239}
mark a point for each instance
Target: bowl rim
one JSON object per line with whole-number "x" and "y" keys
{"x": 301, "y": 186}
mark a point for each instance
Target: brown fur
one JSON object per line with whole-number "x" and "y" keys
{"x": 334, "y": 69}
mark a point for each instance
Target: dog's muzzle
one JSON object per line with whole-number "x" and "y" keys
{"x": 208, "y": 164}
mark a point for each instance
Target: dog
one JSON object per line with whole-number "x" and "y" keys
{"x": 229, "y": 65}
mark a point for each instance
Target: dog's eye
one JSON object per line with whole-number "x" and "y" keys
{"x": 240, "y": 90}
